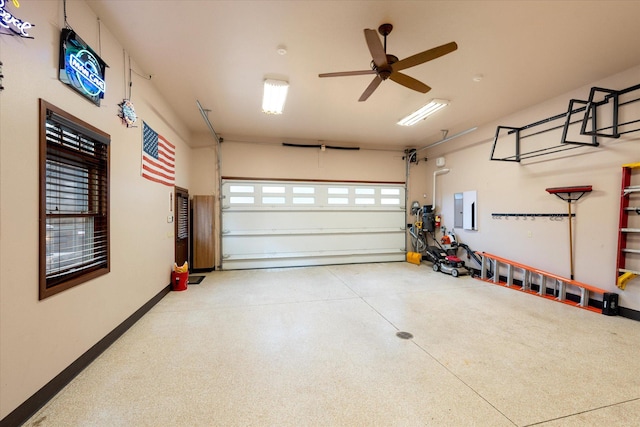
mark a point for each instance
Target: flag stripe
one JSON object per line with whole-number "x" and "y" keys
{"x": 154, "y": 179}
{"x": 160, "y": 165}
{"x": 158, "y": 157}
{"x": 152, "y": 171}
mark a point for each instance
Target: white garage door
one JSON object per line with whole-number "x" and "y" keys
{"x": 287, "y": 224}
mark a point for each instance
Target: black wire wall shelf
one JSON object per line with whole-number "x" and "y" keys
{"x": 580, "y": 126}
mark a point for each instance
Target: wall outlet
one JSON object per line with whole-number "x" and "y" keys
{"x": 170, "y": 219}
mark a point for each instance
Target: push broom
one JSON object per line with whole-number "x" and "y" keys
{"x": 569, "y": 195}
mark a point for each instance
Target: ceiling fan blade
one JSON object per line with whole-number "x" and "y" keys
{"x": 409, "y": 82}
{"x": 425, "y": 56}
{"x": 369, "y": 90}
{"x": 375, "y": 47}
{"x": 347, "y": 73}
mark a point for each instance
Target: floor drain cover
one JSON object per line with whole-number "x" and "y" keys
{"x": 404, "y": 335}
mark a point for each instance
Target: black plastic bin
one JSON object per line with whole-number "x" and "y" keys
{"x": 610, "y": 304}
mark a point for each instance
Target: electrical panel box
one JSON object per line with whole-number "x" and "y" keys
{"x": 465, "y": 210}
{"x": 429, "y": 221}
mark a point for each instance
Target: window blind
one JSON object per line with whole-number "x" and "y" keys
{"x": 76, "y": 204}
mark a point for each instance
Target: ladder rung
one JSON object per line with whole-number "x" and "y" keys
{"x": 630, "y": 230}
{"x": 633, "y": 208}
{"x": 631, "y": 251}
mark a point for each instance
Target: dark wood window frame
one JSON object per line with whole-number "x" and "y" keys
{"x": 74, "y": 201}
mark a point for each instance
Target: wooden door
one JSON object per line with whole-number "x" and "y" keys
{"x": 182, "y": 225}
{"x": 203, "y": 254}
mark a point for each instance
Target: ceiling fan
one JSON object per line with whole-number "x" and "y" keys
{"x": 386, "y": 66}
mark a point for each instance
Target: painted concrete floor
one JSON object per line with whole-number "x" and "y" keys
{"x": 317, "y": 346}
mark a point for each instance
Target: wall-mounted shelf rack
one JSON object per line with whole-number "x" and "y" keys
{"x": 580, "y": 126}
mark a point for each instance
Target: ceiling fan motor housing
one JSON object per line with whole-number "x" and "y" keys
{"x": 385, "y": 70}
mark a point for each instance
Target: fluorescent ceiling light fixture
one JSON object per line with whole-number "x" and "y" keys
{"x": 275, "y": 94}
{"x": 424, "y": 112}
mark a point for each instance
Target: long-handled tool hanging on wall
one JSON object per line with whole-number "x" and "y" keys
{"x": 569, "y": 195}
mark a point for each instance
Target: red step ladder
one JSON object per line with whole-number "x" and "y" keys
{"x": 628, "y": 193}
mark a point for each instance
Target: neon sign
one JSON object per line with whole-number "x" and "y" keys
{"x": 87, "y": 68}
{"x": 80, "y": 67}
{"x": 13, "y": 23}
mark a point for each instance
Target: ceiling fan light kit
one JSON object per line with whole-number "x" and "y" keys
{"x": 423, "y": 112}
{"x": 386, "y": 66}
{"x": 274, "y": 96}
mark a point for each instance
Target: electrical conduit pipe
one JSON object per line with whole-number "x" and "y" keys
{"x": 436, "y": 173}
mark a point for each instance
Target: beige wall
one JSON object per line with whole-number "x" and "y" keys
{"x": 275, "y": 161}
{"x": 38, "y": 339}
{"x": 203, "y": 172}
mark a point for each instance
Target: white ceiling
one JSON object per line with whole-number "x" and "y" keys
{"x": 219, "y": 52}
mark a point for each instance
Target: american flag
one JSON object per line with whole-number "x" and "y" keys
{"x": 158, "y": 157}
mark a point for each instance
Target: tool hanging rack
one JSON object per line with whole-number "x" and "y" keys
{"x": 533, "y": 216}
{"x": 580, "y": 126}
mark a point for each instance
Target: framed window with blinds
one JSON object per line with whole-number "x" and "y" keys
{"x": 74, "y": 201}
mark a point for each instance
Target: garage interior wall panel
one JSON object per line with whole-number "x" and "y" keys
{"x": 287, "y": 224}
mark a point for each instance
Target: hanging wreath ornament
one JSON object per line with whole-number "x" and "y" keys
{"x": 128, "y": 113}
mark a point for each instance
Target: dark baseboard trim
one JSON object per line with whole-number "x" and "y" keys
{"x": 629, "y": 313}
{"x": 29, "y": 407}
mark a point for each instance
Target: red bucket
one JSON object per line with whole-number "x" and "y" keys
{"x": 179, "y": 281}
